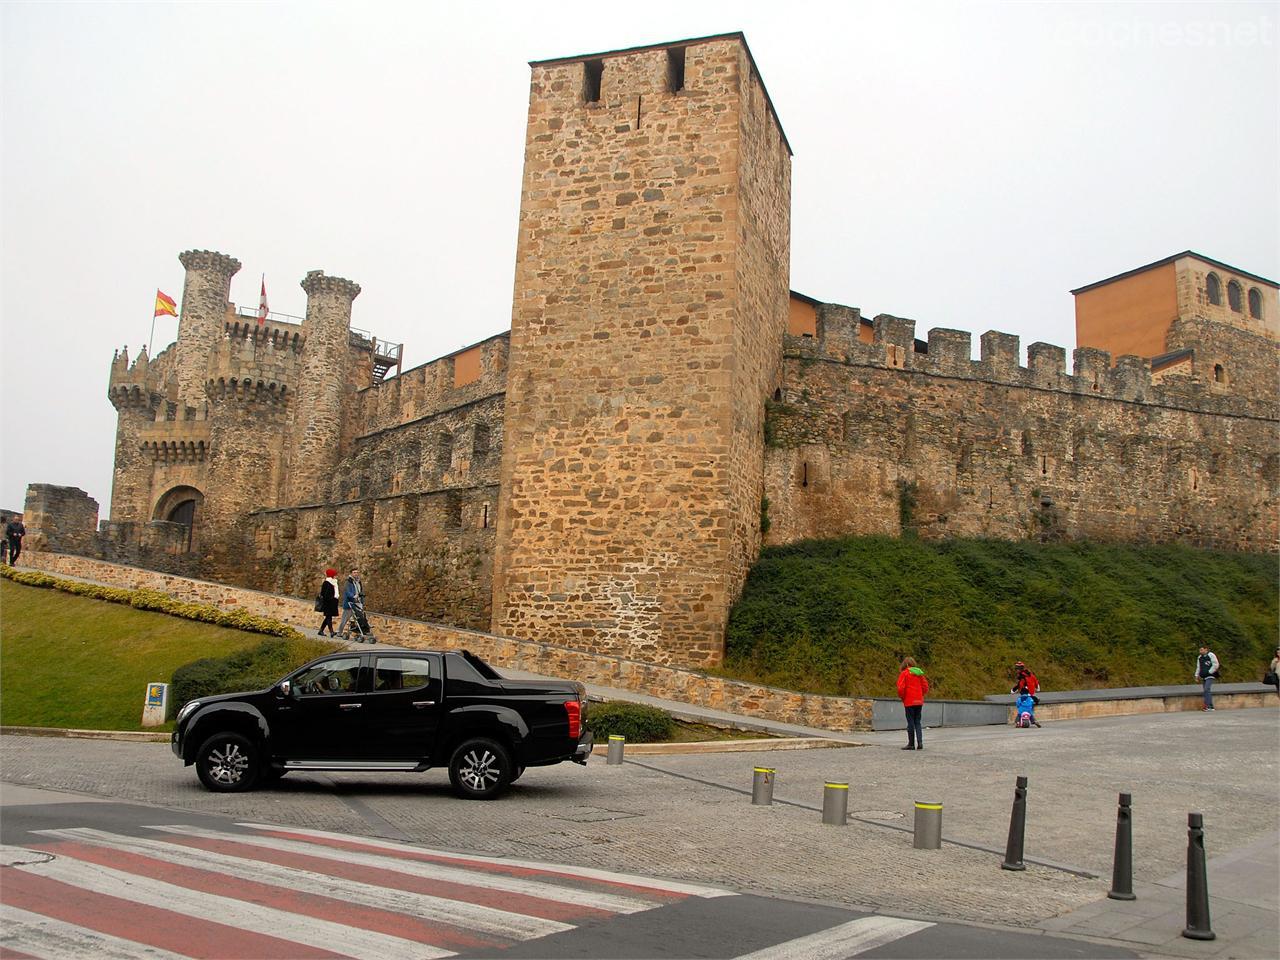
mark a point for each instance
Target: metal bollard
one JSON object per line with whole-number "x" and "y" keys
{"x": 1197, "y": 882}
{"x": 928, "y": 826}
{"x": 762, "y": 787}
{"x": 1122, "y": 870}
{"x": 1017, "y": 828}
{"x": 835, "y": 804}
{"x": 616, "y": 745}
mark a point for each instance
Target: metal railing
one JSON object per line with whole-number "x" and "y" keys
{"x": 247, "y": 313}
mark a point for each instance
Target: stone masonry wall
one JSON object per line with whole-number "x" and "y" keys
{"x": 875, "y": 439}
{"x": 686, "y": 686}
{"x": 616, "y": 527}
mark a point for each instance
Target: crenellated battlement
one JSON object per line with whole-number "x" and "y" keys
{"x": 251, "y": 368}
{"x": 948, "y": 353}
{"x": 279, "y": 336}
{"x": 210, "y": 261}
{"x": 317, "y": 282}
{"x": 140, "y": 385}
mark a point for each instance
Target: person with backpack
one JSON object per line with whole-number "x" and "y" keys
{"x": 327, "y": 601}
{"x": 1206, "y": 673}
{"x": 352, "y": 598}
{"x": 912, "y": 686}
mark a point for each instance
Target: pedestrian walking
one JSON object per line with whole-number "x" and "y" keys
{"x": 912, "y": 686}
{"x": 1026, "y": 684}
{"x": 1273, "y": 673}
{"x": 1206, "y": 673}
{"x": 14, "y": 531}
{"x": 327, "y": 601}
{"x": 352, "y": 597}
{"x": 4, "y": 543}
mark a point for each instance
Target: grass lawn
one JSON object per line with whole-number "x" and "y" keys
{"x": 68, "y": 661}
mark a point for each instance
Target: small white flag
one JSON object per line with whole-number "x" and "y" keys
{"x": 262, "y": 301}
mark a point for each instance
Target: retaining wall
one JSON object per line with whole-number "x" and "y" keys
{"x": 672, "y": 683}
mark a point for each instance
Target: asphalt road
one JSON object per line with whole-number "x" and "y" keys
{"x": 83, "y": 876}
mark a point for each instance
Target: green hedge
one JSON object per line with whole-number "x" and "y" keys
{"x": 637, "y": 722}
{"x": 142, "y": 599}
{"x": 254, "y": 669}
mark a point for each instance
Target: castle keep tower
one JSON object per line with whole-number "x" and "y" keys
{"x": 649, "y": 309}
{"x": 322, "y": 386}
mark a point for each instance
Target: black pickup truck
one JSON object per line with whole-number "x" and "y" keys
{"x": 387, "y": 710}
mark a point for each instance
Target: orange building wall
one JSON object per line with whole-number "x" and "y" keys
{"x": 466, "y": 367}
{"x": 803, "y": 319}
{"x": 1130, "y": 315}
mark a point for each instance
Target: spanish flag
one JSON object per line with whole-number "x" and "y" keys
{"x": 165, "y": 305}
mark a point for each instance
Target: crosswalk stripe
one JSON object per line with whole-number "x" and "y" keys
{"x": 51, "y": 939}
{"x": 246, "y": 916}
{"x": 515, "y": 891}
{"x": 130, "y": 920}
{"x": 505, "y": 864}
{"x": 846, "y": 940}
{"x": 487, "y": 922}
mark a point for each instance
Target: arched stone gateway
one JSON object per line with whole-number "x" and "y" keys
{"x": 180, "y": 505}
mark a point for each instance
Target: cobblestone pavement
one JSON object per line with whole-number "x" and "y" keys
{"x": 681, "y": 817}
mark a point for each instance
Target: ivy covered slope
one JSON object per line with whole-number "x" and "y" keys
{"x": 837, "y": 616}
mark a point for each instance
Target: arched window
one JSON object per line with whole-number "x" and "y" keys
{"x": 1235, "y": 297}
{"x": 1255, "y": 303}
{"x": 1213, "y": 289}
{"x": 1219, "y": 374}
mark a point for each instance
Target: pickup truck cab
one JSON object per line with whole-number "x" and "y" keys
{"x": 387, "y": 710}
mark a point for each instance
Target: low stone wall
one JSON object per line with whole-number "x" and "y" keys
{"x": 839, "y": 714}
{"x": 1174, "y": 703}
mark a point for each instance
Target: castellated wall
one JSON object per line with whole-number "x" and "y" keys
{"x": 413, "y": 506}
{"x": 880, "y": 439}
{"x": 639, "y": 351}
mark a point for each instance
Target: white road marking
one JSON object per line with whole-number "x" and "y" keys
{"x": 611, "y": 903}
{"x": 846, "y": 940}
{"x": 54, "y": 939}
{"x": 650, "y": 883}
{"x": 337, "y": 937}
{"x": 487, "y": 921}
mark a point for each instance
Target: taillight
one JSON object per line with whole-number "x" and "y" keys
{"x": 573, "y": 709}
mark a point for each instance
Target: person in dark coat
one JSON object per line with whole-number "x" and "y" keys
{"x": 14, "y": 531}
{"x": 327, "y": 601}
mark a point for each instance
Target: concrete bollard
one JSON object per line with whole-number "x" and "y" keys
{"x": 1122, "y": 869}
{"x": 1017, "y": 828}
{"x": 835, "y": 804}
{"x": 616, "y": 745}
{"x": 928, "y": 834}
{"x": 1198, "y": 927}
{"x": 762, "y": 787}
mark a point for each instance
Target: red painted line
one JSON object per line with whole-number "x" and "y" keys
{"x": 268, "y": 895}
{"x": 522, "y": 903}
{"x": 505, "y": 869}
{"x": 165, "y": 929}
{"x": 8, "y": 953}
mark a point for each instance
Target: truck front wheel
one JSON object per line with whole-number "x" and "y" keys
{"x": 228, "y": 763}
{"x": 480, "y": 769}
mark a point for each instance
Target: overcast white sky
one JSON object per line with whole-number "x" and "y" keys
{"x": 961, "y": 164}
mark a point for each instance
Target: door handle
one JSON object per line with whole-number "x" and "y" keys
{"x": 424, "y": 703}
{"x": 349, "y": 706}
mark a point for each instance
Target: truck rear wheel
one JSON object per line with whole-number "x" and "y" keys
{"x": 480, "y": 769}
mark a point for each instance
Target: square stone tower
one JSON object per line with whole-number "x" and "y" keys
{"x": 651, "y": 298}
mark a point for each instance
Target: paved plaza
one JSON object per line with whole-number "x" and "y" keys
{"x": 689, "y": 817}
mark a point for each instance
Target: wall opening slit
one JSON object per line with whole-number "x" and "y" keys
{"x": 675, "y": 69}
{"x": 592, "y": 74}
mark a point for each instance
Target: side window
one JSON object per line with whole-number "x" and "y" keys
{"x": 401, "y": 673}
{"x": 332, "y": 676}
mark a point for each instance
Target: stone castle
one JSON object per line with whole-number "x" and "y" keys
{"x": 603, "y": 475}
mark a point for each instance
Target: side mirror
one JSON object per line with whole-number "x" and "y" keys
{"x": 285, "y": 688}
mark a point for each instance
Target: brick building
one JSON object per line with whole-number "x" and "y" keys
{"x": 603, "y": 475}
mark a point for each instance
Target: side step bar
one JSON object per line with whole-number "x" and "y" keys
{"x": 383, "y": 766}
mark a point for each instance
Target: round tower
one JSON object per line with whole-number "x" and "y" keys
{"x": 206, "y": 294}
{"x": 322, "y": 386}
{"x": 136, "y": 397}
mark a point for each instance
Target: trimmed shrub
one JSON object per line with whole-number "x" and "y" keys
{"x": 253, "y": 669}
{"x": 638, "y": 722}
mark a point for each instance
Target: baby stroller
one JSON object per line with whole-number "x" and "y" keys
{"x": 357, "y": 628}
{"x": 1025, "y": 716}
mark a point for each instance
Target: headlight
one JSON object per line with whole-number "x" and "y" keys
{"x": 187, "y": 710}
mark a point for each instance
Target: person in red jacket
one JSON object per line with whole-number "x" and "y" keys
{"x": 1024, "y": 681}
{"x": 912, "y": 686}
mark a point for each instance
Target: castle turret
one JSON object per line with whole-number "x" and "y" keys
{"x": 206, "y": 294}
{"x": 322, "y": 386}
{"x": 646, "y": 332}
{"x": 137, "y": 393}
